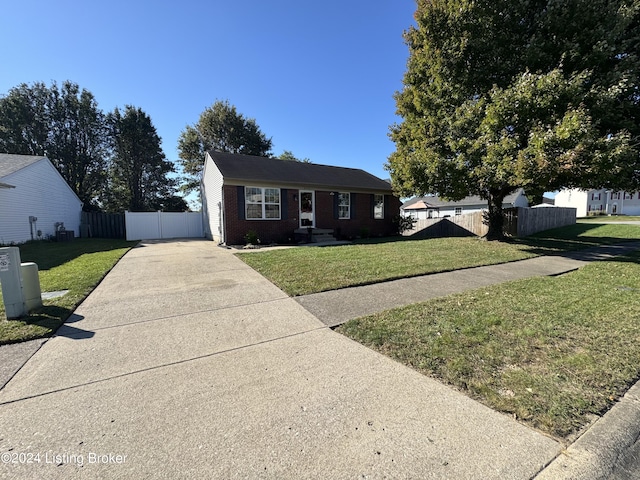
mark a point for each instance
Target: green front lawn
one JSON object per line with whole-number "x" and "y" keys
{"x": 77, "y": 266}
{"x": 301, "y": 271}
{"x": 607, "y": 218}
{"x": 552, "y": 351}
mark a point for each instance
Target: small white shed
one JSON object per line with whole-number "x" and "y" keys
{"x": 34, "y": 197}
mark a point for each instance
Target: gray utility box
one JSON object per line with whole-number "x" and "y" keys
{"x": 31, "y": 286}
{"x": 20, "y": 294}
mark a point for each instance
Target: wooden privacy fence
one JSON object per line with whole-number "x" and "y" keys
{"x": 533, "y": 220}
{"x": 519, "y": 222}
{"x": 102, "y": 225}
{"x": 459, "y": 226}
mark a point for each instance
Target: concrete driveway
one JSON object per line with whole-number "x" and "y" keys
{"x": 185, "y": 363}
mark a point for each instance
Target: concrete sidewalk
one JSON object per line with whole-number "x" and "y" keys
{"x": 186, "y": 363}
{"x": 338, "y": 306}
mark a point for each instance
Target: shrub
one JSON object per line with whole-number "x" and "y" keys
{"x": 403, "y": 223}
{"x": 252, "y": 237}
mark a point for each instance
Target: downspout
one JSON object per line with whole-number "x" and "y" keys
{"x": 32, "y": 221}
{"x": 223, "y": 230}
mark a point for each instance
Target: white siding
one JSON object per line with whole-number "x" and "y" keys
{"x": 521, "y": 201}
{"x": 212, "y": 211}
{"x": 598, "y": 200}
{"x": 40, "y": 192}
{"x": 450, "y": 210}
{"x": 573, "y": 198}
{"x": 464, "y": 209}
{"x": 631, "y": 208}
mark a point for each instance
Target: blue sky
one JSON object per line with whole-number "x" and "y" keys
{"x": 318, "y": 77}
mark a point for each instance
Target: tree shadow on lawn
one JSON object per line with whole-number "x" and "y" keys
{"x": 557, "y": 241}
{"x": 401, "y": 238}
{"x": 49, "y": 254}
{"x": 575, "y": 237}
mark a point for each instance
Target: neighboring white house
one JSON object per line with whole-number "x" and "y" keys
{"x": 33, "y": 199}
{"x": 435, "y": 207}
{"x": 596, "y": 202}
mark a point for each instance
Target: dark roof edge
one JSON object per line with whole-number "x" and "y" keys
{"x": 302, "y": 185}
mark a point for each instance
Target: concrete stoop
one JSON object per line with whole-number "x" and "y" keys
{"x": 314, "y": 235}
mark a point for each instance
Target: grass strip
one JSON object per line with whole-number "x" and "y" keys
{"x": 301, "y": 271}
{"x": 552, "y": 351}
{"x": 77, "y": 266}
{"x": 612, "y": 218}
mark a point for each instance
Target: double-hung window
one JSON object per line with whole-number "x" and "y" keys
{"x": 262, "y": 203}
{"x": 378, "y": 206}
{"x": 344, "y": 205}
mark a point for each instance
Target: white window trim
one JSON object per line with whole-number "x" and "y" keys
{"x": 378, "y": 215}
{"x": 348, "y": 205}
{"x": 457, "y": 211}
{"x": 263, "y": 203}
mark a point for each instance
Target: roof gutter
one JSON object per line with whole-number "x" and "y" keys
{"x": 303, "y": 185}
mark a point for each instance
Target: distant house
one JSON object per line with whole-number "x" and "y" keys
{"x": 435, "y": 207}
{"x": 286, "y": 201}
{"x": 599, "y": 202}
{"x": 35, "y": 200}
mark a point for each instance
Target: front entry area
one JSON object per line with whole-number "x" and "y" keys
{"x": 308, "y": 233}
{"x": 307, "y": 208}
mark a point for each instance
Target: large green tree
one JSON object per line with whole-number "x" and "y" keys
{"x": 65, "y": 124}
{"x": 139, "y": 174}
{"x": 502, "y": 94}
{"x": 24, "y": 120}
{"x": 220, "y": 127}
{"x": 288, "y": 155}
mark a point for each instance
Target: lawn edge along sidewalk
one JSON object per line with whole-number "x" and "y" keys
{"x": 336, "y": 307}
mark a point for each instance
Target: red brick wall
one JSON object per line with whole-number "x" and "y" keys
{"x": 281, "y": 231}
{"x": 363, "y": 223}
{"x": 269, "y": 231}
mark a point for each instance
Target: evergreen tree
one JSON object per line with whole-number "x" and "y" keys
{"x": 138, "y": 176}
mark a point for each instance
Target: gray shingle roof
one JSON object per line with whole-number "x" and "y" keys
{"x": 248, "y": 168}
{"x": 436, "y": 202}
{"x": 11, "y": 163}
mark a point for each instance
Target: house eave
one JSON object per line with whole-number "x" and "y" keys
{"x": 305, "y": 186}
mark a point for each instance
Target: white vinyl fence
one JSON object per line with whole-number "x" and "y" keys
{"x": 158, "y": 225}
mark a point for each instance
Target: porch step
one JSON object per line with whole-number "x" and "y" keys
{"x": 323, "y": 238}
{"x": 318, "y": 235}
{"x": 314, "y": 231}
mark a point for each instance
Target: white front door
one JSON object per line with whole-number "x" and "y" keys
{"x": 307, "y": 208}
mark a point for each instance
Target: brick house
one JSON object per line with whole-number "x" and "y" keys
{"x": 285, "y": 201}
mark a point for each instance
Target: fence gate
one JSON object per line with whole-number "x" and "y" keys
{"x": 158, "y": 225}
